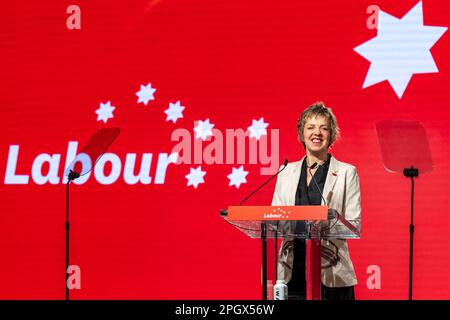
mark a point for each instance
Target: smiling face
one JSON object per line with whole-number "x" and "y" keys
{"x": 316, "y": 135}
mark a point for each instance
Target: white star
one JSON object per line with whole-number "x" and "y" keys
{"x": 174, "y": 112}
{"x": 195, "y": 177}
{"x": 237, "y": 176}
{"x": 105, "y": 111}
{"x": 146, "y": 93}
{"x": 258, "y": 128}
{"x": 203, "y": 129}
{"x": 400, "y": 49}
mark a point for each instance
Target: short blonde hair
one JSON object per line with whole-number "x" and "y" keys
{"x": 314, "y": 110}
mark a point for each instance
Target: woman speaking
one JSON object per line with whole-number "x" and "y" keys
{"x": 339, "y": 183}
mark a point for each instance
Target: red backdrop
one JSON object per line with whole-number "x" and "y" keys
{"x": 231, "y": 62}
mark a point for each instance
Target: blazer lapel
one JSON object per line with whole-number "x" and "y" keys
{"x": 331, "y": 180}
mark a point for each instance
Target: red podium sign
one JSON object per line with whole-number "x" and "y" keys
{"x": 264, "y": 213}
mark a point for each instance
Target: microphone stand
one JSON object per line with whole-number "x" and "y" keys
{"x": 93, "y": 150}
{"x": 411, "y": 173}
{"x": 72, "y": 176}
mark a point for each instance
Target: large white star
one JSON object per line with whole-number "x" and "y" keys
{"x": 145, "y": 94}
{"x": 105, "y": 111}
{"x": 400, "y": 49}
{"x": 203, "y": 129}
{"x": 258, "y": 128}
{"x": 195, "y": 177}
{"x": 174, "y": 112}
{"x": 237, "y": 176}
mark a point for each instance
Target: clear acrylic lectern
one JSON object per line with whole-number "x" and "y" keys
{"x": 279, "y": 222}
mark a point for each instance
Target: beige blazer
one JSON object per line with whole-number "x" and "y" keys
{"x": 342, "y": 193}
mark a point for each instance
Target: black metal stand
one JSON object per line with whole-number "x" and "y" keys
{"x": 72, "y": 176}
{"x": 411, "y": 173}
{"x": 264, "y": 259}
{"x": 276, "y": 252}
{"x": 67, "y": 239}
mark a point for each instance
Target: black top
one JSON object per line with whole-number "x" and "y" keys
{"x": 305, "y": 195}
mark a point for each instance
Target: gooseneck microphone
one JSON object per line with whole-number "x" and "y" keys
{"x": 224, "y": 212}
{"x": 315, "y": 164}
{"x": 276, "y": 174}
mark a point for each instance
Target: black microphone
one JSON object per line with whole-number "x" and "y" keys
{"x": 224, "y": 212}
{"x": 315, "y": 181}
